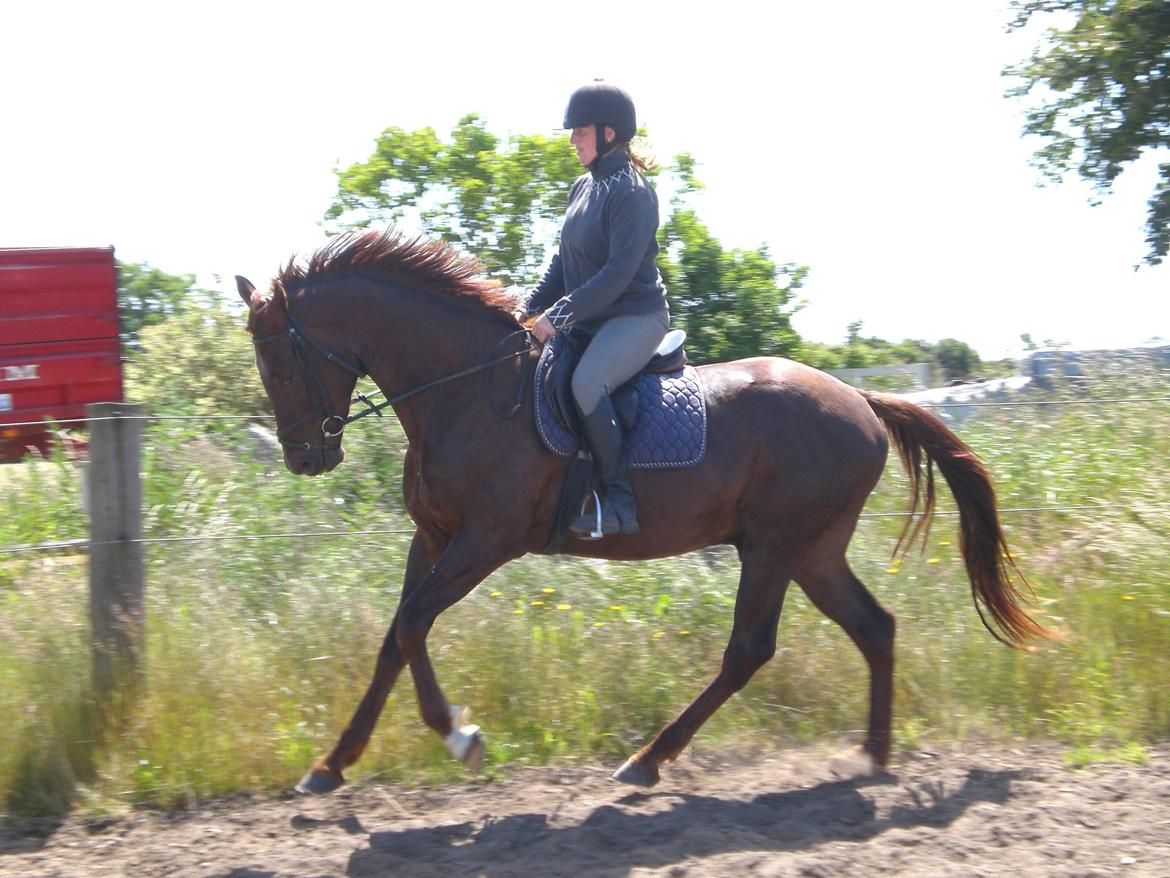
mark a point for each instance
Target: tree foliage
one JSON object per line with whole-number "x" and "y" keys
{"x": 952, "y": 359}
{"x": 147, "y": 296}
{"x": 1109, "y": 77}
{"x": 504, "y": 201}
{"x": 199, "y": 361}
{"x": 732, "y": 303}
{"x": 498, "y": 200}
{"x": 957, "y": 359}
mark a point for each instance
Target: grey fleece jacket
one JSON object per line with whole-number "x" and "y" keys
{"x": 609, "y": 242}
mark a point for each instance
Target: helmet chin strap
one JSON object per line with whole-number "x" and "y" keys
{"x": 604, "y": 146}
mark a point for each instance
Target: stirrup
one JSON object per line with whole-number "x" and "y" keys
{"x": 596, "y": 533}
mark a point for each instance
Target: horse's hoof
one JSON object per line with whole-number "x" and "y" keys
{"x": 465, "y": 740}
{"x": 319, "y": 781}
{"x": 637, "y": 774}
{"x": 854, "y": 763}
{"x": 476, "y": 748}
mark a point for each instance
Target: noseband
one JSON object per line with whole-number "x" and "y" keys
{"x": 334, "y": 424}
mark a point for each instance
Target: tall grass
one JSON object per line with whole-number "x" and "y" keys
{"x": 258, "y": 651}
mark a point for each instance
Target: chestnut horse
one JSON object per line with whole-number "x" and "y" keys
{"x": 792, "y": 454}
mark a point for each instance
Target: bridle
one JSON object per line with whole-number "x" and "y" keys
{"x": 334, "y": 424}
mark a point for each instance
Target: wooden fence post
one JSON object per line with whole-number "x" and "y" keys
{"x": 116, "y": 578}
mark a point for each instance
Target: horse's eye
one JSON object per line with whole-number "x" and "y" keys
{"x": 286, "y": 379}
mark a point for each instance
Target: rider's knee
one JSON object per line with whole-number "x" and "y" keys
{"x": 587, "y": 392}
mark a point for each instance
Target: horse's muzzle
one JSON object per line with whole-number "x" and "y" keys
{"x": 313, "y": 463}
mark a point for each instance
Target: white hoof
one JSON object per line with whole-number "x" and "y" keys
{"x": 853, "y": 763}
{"x": 473, "y": 759}
{"x": 465, "y": 741}
{"x": 636, "y": 774}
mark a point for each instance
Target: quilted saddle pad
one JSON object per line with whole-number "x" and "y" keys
{"x": 671, "y": 427}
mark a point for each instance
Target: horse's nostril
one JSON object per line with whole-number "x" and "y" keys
{"x": 302, "y": 466}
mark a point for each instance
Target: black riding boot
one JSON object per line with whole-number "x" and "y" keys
{"x": 619, "y": 513}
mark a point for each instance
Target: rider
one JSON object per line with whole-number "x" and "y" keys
{"x": 604, "y": 283}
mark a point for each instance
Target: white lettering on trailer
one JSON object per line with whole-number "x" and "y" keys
{"x": 21, "y": 373}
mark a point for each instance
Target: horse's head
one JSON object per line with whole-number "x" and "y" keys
{"x": 309, "y": 387}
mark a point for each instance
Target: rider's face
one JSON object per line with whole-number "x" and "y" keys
{"x": 585, "y": 141}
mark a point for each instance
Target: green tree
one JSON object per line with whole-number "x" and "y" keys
{"x": 957, "y": 359}
{"x": 732, "y": 303}
{"x": 952, "y": 359}
{"x": 819, "y": 355}
{"x": 198, "y": 361}
{"x": 501, "y": 201}
{"x": 858, "y": 352}
{"x": 504, "y": 202}
{"x": 147, "y": 296}
{"x": 1108, "y": 74}
{"x": 912, "y": 350}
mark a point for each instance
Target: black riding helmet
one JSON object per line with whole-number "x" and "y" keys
{"x": 601, "y": 104}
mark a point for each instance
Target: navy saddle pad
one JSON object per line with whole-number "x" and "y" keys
{"x": 671, "y": 427}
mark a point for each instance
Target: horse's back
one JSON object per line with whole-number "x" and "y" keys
{"x": 791, "y": 453}
{"x": 804, "y": 397}
{"x": 803, "y": 430}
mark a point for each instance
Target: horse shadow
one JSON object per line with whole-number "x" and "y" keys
{"x": 614, "y": 840}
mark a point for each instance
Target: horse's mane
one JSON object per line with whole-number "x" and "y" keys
{"x": 429, "y": 264}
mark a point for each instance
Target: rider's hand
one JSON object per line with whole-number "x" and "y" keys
{"x": 543, "y": 329}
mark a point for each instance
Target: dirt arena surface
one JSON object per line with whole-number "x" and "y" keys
{"x": 992, "y": 812}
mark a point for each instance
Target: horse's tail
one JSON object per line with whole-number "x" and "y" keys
{"x": 917, "y": 434}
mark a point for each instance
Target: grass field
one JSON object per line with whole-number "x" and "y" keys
{"x": 258, "y": 651}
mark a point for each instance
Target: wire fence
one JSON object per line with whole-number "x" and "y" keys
{"x": 80, "y": 545}
{"x": 929, "y": 405}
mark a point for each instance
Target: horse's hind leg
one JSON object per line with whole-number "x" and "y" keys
{"x": 762, "y": 585}
{"x": 839, "y": 594}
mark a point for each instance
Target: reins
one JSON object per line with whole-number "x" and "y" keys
{"x": 373, "y": 409}
{"x": 315, "y": 385}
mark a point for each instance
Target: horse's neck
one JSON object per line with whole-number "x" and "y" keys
{"x": 412, "y": 338}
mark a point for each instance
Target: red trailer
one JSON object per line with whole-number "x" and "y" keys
{"x": 59, "y": 345}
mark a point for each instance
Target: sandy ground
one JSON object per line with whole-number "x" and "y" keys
{"x": 991, "y": 812}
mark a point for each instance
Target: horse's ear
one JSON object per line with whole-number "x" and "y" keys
{"x": 247, "y": 292}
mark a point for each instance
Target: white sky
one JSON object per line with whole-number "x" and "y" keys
{"x": 870, "y": 141}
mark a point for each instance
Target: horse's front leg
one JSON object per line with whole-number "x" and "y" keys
{"x": 326, "y": 774}
{"x": 471, "y": 556}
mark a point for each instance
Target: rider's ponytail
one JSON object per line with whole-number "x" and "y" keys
{"x": 641, "y": 158}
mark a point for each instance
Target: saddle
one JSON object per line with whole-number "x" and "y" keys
{"x": 662, "y": 411}
{"x": 670, "y": 357}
